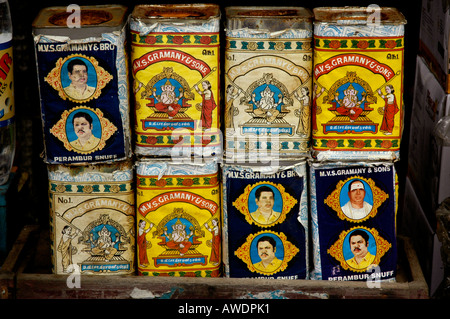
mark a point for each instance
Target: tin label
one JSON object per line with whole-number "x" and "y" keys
{"x": 267, "y": 218}
{"x": 7, "y": 108}
{"x": 83, "y": 114}
{"x": 268, "y": 84}
{"x": 176, "y": 81}
{"x": 354, "y": 222}
{"x": 93, "y": 227}
{"x": 358, "y": 93}
{"x": 179, "y": 225}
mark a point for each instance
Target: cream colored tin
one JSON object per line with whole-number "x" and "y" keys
{"x": 268, "y": 62}
{"x": 92, "y": 219}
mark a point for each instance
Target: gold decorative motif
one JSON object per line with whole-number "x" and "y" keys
{"x": 55, "y": 81}
{"x": 241, "y": 204}
{"x": 59, "y": 130}
{"x": 337, "y": 251}
{"x": 247, "y": 249}
{"x": 333, "y": 200}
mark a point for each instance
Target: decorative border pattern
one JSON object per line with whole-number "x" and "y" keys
{"x": 339, "y": 43}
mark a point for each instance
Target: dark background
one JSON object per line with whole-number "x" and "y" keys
{"x": 30, "y": 196}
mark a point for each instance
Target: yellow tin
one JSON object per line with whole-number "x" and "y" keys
{"x": 175, "y": 67}
{"x": 178, "y": 219}
{"x": 357, "y": 110}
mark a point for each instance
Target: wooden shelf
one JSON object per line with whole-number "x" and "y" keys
{"x": 29, "y": 264}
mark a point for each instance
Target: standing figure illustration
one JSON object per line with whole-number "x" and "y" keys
{"x": 208, "y": 104}
{"x": 65, "y": 246}
{"x": 304, "y": 112}
{"x": 350, "y": 105}
{"x": 266, "y": 106}
{"x": 229, "y": 108}
{"x": 390, "y": 109}
{"x": 179, "y": 238}
{"x": 143, "y": 243}
{"x": 314, "y": 110}
{"x": 215, "y": 241}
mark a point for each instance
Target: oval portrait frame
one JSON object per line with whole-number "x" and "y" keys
{"x": 246, "y": 252}
{"x": 59, "y": 130}
{"x": 58, "y": 75}
{"x": 334, "y": 199}
{"x": 242, "y": 202}
{"x": 337, "y": 250}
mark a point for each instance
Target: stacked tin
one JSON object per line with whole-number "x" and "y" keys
{"x": 175, "y": 68}
{"x": 83, "y": 79}
{"x": 357, "y": 123}
{"x": 268, "y": 63}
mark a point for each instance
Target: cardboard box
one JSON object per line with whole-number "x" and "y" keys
{"x": 434, "y": 39}
{"x": 428, "y": 162}
{"x": 424, "y": 238}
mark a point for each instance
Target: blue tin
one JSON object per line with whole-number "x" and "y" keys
{"x": 83, "y": 82}
{"x": 353, "y": 221}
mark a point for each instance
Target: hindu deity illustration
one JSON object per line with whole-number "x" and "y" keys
{"x": 179, "y": 237}
{"x": 179, "y": 234}
{"x": 168, "y": 95}
{"x": 167, "y": 101}
{"x": 350, "y": 98}
{"x": 350, "y": 105}
{"x": 106, "y": 241}
{"x": 266, "y": 106}
{"x": 267, "y": 100}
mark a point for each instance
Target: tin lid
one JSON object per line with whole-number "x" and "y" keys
{"x": 183, "y": 12}
{"x": 358, "y": 15}
{"x": 268, "y": 12}
{"x": 94, "y": 20}
{"x": 269, "y": 22}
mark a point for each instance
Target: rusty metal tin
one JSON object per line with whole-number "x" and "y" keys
{"x": 83, "y": 73}
{"x": 94, "y": 21}
{"x": 176, "y": 73}
{"x": 92, "y": 219}
{"x": 268, "y": 63}
{"x": 358, "y": 109}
